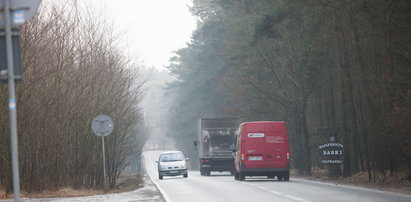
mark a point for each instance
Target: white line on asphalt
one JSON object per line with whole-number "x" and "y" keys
{"x": 352, "y": 187}
{"x": 276, "y": 192}
{"x": 294, "y": 198}
{"x": 165, "y": 196}
{"x": 273, "y": 192}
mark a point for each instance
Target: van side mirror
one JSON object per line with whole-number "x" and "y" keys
{"x": 195, "y": 144}
{"x": 232, "y": 148}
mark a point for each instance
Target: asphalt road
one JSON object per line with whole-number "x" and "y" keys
{"x": 223, "y": 187}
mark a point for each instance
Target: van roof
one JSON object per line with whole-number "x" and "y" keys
{"x": 260, "y": 126}
{"x": 262, "y": 122}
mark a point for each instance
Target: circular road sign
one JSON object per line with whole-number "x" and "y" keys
{"x": 102, "y": 125}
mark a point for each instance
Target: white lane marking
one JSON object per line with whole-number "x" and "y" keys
{"x": 273, "y": 192}
{"x": 294, "y": 198}
{"x": 351, "y": 187}
{"x": 276, "y": 192}
{"x": 165, "y": 196}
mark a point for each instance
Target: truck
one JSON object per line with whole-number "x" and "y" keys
{"x": 215, "y": 135}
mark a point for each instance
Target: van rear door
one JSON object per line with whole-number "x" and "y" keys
{"x": 276, "y": 146}
{"x": 254, "y": 147}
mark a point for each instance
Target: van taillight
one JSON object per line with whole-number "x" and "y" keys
{"x": 204, "y": 160}
{"x": 288, "y": 155}
{"x": 242, "y": 156}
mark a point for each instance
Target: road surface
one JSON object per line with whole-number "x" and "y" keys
{"x": 223, "y": 187}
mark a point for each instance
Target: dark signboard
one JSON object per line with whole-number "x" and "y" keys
{"x": 332, "y": 154}
{"x": 16, "y": 59}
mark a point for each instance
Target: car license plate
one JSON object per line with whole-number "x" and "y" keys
{"x": 255, "y": 158}
{"x": 173, "y": 171}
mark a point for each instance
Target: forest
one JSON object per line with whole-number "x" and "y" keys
{"x": 73, "y": 71}
{"x": 329, "y": 68}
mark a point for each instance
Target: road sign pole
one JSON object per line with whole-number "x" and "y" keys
{"x": 104, "y": 165}
{"x": 102, "y": 125}
{"x": 12, "y": 104}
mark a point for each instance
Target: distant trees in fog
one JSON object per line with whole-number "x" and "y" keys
{"x": 328, "y": 68}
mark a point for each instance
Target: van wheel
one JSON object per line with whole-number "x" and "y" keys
{"x": 280, "y": 177}
{"x": 287, "y": 176}
{"x": 236, "y": 176}
{"x": 241, "y": 176}
{"x": 208, "y": 173}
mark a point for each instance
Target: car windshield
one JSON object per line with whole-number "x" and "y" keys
{"x": 171, "y": 157}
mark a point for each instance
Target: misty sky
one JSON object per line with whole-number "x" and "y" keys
{"x": 153, "y": 28}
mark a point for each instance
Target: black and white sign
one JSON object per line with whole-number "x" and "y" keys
{"x": 332, "y": 153}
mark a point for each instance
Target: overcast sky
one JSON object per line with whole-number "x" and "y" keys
{"x": 152, "y": 29}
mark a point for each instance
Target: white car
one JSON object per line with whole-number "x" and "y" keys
{"x": 172, "y": 163}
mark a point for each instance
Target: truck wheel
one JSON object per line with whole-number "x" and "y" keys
{"x": 241, "y": 176}
{"x": 287, "y": 176}
{"x": 236, "y": 176}
{"x": 232, "y": 172}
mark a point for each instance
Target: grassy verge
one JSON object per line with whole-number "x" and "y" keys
{"x": 125, "y": 183}
{"x": 395, "y": 183}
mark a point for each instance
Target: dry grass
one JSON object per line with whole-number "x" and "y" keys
{"x": 124, "y": 184}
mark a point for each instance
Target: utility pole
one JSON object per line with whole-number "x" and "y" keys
{"x": 16, "y": 13}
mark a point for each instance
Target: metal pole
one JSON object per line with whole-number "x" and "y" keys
{"x": 104, "y": 166}
{"x": 12, "y": 104}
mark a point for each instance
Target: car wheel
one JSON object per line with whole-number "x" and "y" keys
{"x": 160, "y": 177}
{"x": 185, "y": 175}
{"x": 270, "y": 177}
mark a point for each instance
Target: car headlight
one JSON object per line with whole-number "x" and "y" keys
{"x": 183, "y": 166}
{"x": 163, "y": 167}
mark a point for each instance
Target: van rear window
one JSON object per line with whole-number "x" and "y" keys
{"x": 252, "y": 135}
{"x": 274, "y": 139}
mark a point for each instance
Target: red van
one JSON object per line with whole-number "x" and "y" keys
{"x": 262, "y": 150}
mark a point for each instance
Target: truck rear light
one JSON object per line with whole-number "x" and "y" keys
{"x": 242, "y": 156}
{"x": 288, "y": 155}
